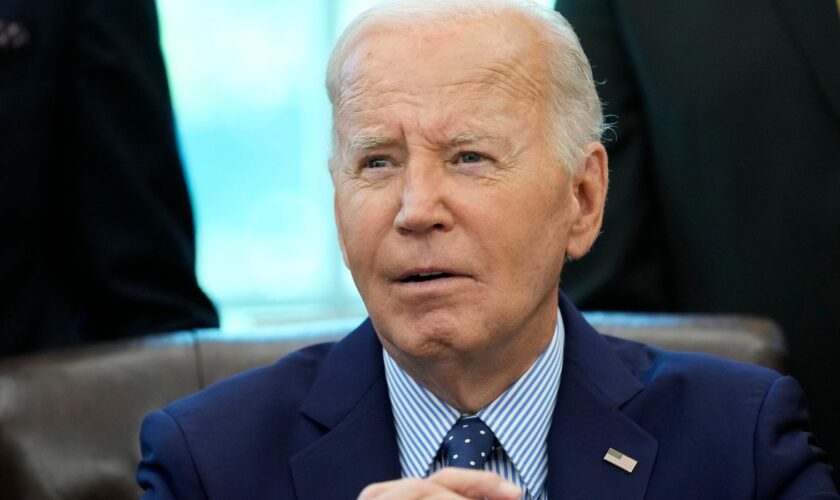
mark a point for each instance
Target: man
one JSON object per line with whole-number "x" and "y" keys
{"x": 97, "y": 238}
{"x": 725, "y": 166}
{"x": 467, "y": 168}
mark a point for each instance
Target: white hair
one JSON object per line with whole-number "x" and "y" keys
{"x": 575, "y": 111}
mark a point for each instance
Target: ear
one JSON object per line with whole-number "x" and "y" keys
{"x": 590, "y": 192}
{"x": 340, "y": 232}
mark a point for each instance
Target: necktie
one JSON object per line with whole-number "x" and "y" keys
{"x": 469, "y": 443}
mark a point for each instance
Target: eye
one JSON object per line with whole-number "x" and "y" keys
{"x": 375, "y": 162}
{"x": 470, "y": 157}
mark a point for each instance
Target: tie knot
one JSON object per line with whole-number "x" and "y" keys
{"x": 468, "y": 444}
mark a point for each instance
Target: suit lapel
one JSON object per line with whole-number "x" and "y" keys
{"x": 815, "y": 29}
{"x": 588, "y": 420}
{"x": 350, "y": 399}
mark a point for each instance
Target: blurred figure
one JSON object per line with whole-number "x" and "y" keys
{"x": 725, "y": 170}
{"x": 97, "y": 229}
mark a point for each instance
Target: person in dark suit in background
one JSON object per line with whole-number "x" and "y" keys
{"x": 725, "y": 170}
{"x": 97, "y": 228}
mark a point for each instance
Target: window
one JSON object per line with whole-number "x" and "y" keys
{"x": 254, "y": 129}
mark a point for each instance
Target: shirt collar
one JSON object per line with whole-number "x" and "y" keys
{"x": 520, "y": 417}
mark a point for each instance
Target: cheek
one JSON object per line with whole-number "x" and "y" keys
{"x": 347, "y": 216}
{"x": 537, "y": 229}
{"x": 363, "y": 222}
{"x": 558, "y": 214}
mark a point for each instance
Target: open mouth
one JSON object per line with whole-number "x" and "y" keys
{"x": 420, "y": 277}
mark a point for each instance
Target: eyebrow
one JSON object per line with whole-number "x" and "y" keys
{"x": 467, "y": 137}
{"x": 363, "y": 143}
{"x": 367, "y": 142}
{"x": 472, "y": 136}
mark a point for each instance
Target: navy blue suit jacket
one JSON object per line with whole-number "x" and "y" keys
{"x": 318, "y": 425}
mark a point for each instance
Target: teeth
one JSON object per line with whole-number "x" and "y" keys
{"x": 423, "y": 275}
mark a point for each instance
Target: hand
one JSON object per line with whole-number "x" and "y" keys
{"x": 449, "y": 483}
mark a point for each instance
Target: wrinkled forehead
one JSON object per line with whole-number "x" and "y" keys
{"x": 487, "y": 56}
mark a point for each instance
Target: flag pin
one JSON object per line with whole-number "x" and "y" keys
{"x": 620, "y": 460}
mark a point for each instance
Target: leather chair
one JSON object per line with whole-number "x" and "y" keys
{"x": 69, "y": 420}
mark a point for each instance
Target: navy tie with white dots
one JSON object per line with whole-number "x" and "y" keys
{"x": 469, "y": 443}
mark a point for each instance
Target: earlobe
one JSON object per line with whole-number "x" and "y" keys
{"x": 590, "y": 192}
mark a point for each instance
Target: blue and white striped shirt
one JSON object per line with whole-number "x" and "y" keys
{"x": 520, "y": 418}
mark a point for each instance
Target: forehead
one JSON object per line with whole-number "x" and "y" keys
{"x": 477, "y": 68}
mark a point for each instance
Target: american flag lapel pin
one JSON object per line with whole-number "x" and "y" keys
{"x": 620, "y": 460}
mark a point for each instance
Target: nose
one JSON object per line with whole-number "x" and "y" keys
{"x": 423, "y": 206}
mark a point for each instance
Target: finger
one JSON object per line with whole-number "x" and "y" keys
{"x": 476, "y": 484}
{"x": 376, "y": 490}
{"x": 445, "y": 495}
{"x": 408, "y": 489}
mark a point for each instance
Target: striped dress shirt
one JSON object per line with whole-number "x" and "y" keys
{"x": 520, "y": 418}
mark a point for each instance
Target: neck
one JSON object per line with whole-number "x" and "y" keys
{"x": 471, "y": 381}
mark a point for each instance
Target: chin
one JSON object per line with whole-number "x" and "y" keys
{"x": 433, "y": 334}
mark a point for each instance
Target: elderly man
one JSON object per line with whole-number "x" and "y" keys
{"x": 467, "y": 168}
